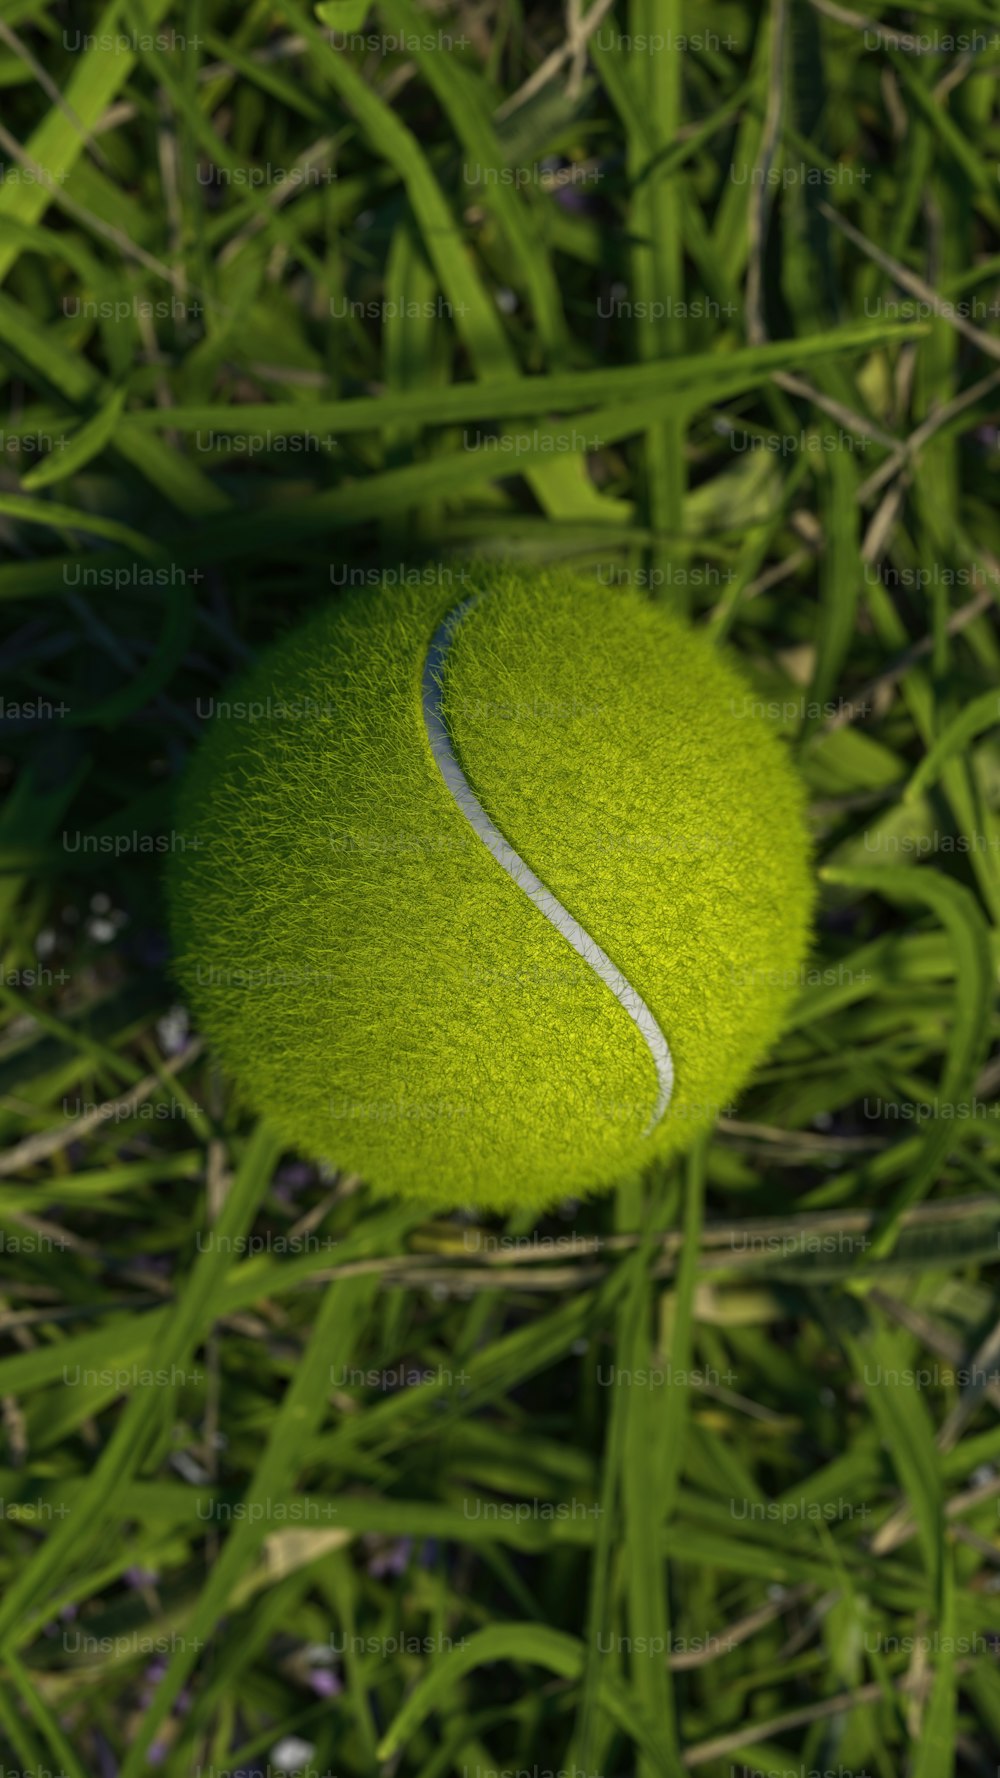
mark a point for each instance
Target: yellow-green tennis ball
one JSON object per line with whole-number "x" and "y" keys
{"x": 500, "y": 888}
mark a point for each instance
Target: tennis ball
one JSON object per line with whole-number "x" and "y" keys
{"x": 490, "y": 892}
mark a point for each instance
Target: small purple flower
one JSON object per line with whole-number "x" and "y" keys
{"x": 324, "y": 1683}
{"x": 106, "y": 1759}
{"x": 151, "y": 1679}
{"x": 293, "y": 1177}
{"x": 296, "y": 1174}
{"x": 394, "y": 1558}
{"x": 163, "y": 1264}
{"x": 570, "y": 197}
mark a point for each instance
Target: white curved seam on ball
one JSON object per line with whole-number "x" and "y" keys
{"x": 520, "y": 873}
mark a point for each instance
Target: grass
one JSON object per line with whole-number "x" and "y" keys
{"x": 702, "y": 1475}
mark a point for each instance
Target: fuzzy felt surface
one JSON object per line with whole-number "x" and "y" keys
{"x": 384, "y": 992}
